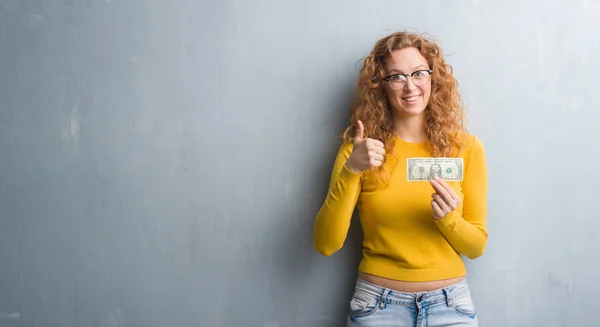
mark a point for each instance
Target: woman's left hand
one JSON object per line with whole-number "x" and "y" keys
{"x": 444, "y": 200}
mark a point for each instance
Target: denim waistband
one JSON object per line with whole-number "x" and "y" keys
{"x": 445, "y": 294}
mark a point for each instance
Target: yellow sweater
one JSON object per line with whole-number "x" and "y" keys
{"x": 401, "y": 239}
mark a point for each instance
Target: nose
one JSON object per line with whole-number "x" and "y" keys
{"x": 409, "y": 85}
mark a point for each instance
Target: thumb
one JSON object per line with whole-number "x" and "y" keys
{"x": 360, "y": 130}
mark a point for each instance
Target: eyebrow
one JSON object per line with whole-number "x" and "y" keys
{"x": 394, "y": 70}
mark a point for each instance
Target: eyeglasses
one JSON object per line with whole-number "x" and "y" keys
{"x": 420, "y": 78}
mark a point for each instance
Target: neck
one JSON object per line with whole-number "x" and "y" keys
{"x": 411, "y": 129}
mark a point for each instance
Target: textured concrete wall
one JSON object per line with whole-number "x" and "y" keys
{"x": 161, "y": 163}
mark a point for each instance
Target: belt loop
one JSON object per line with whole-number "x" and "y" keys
{"x": 383, "y": 299}
{"x": 449, "y": 297}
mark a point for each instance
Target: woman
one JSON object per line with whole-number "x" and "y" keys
{"x": 416, "y": 226}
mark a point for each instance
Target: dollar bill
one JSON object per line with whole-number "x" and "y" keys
{"x": 424, "y": 169}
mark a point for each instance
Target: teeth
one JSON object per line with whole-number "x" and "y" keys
{"x": 411, "y": 99}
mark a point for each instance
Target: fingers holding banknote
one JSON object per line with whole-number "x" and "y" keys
{"x": 444, "y": 199}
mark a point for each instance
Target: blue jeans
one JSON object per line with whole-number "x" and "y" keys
{"x": 372, "y": 305}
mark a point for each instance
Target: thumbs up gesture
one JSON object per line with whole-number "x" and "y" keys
{"x": 366, "y": 153}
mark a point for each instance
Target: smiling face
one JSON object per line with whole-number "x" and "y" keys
{"x": 407, "y": 99}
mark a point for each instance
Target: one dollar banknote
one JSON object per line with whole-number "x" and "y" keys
{"x": 424, "y": 169}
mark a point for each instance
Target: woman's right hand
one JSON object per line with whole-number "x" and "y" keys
{"x": 366, "y": 153}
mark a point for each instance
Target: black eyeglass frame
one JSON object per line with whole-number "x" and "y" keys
{"x": 430, "y": 71}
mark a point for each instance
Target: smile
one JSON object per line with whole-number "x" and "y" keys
{"x": 411, "y": 99}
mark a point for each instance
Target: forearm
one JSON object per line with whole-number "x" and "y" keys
{"x": 465, "y": 228}
{"x": 333, "y": 220}
{"x": 468, "y": 238}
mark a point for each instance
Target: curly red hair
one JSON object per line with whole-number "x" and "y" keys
{"x": 443, "y": 114}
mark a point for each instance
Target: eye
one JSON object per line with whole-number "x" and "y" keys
{"x": 397, "y": 78}
{"x": 421, "y": 73}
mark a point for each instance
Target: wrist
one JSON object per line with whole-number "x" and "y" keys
{"x": 449, "y": 218}
{"x": 352, "y": 168}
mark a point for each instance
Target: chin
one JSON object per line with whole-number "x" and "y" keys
{"x": 411, "y": 111}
